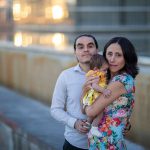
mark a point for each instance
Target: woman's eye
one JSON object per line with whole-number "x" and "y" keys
{"x": 104, "y": 70}
{"x": 118, "y": 55}
{"x": 109, "y": 54}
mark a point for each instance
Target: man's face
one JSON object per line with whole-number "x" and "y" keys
{"x": 85, "y": 48}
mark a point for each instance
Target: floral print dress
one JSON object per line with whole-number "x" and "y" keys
{"x": 115, "y": 118}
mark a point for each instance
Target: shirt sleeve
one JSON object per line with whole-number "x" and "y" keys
{"x": 59, "y": 98}
{"x": 127, "y": 81}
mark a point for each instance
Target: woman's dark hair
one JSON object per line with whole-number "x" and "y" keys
{"x": 86, "y": 35}
{"x": 129, "y": 54}
{"x": 97, "y": 61}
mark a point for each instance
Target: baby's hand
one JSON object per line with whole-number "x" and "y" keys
{"x": 96, "y": 87}
{"x": 107, "y": 93}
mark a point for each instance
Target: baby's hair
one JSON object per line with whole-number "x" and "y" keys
{"x": 97, "y": 61}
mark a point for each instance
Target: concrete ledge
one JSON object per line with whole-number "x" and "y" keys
{"x": 32, "y": 71}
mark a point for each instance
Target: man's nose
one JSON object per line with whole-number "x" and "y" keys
{"x": 85, "y": 48}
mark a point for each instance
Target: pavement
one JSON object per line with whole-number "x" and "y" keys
{"x": 34, "y": 118}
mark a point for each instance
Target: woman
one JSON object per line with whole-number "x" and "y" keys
{"x": 117, "y": 108}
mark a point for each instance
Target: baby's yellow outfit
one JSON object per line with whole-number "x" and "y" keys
{"x": 91, "y": 95}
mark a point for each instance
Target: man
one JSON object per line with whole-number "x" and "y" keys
{"x": 67, "y": 93}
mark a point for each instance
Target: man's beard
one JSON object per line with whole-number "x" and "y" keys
{"x": 86, "y": 62}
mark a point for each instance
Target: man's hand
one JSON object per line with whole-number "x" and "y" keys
{"x": 127, "y": 128}
{"x": 81, "y": 126}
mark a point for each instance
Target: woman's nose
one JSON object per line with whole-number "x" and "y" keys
{"x": 112, "y": 58}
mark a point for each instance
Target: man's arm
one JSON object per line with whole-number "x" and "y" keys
{"x": 58, "y": 103}
{"x": 81, "y": 102}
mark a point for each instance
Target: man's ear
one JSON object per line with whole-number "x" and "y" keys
{"x": 97, "y": 50}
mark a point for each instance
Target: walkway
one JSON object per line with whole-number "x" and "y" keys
{"x": 34, "y": 118}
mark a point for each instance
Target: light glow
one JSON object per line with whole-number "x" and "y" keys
{"x": 58, "y": 41}
{"x": 57, "y": 12}
{"x": 18, "y": 39}
{"x": 22, "y": 39}
{"x": 17, "y": 11}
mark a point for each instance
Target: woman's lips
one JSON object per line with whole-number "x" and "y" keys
{"x": 111, "y": 65}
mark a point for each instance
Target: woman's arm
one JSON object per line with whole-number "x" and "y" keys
{"x": 116, "y": 88}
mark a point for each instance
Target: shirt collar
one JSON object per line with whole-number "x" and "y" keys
{"x": 77, "y": 68}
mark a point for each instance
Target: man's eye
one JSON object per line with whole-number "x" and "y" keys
{"x": 91, "y": 46}
{"x": 80, "y": 47}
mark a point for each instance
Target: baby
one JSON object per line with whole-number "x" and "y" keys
{"x": 98, "y": 67}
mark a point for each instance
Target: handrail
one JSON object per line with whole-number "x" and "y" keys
{"x": 84, "y": 28}
{"x": 8, "y": 46}
{"x": 109, "y": 9}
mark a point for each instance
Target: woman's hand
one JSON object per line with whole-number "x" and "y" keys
{"x": 98, "y": 88}
{"x": 89, "y": 81}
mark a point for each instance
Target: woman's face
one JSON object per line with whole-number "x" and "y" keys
{"x": 115, "y": 58}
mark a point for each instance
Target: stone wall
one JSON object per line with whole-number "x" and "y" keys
{"x": 32, "y": 72}
{"x": 140, "y": 119}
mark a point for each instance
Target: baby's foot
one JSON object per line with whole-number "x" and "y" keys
{"x": 88, "y": 125}
{"x": 94, "y": 131}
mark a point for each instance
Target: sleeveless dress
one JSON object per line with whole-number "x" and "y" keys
{"x": 115, "y": 118}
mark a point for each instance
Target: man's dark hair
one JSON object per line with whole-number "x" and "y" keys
{"x": 86, "y": 35}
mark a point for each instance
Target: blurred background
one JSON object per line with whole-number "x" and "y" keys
{"x": 55, "y": 23}
{"x": 36, "y": 44}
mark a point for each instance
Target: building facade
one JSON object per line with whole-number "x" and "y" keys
{"x": 55, "y": 23}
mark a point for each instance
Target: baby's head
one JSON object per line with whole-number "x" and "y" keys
{"x": 98, "y": 62}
